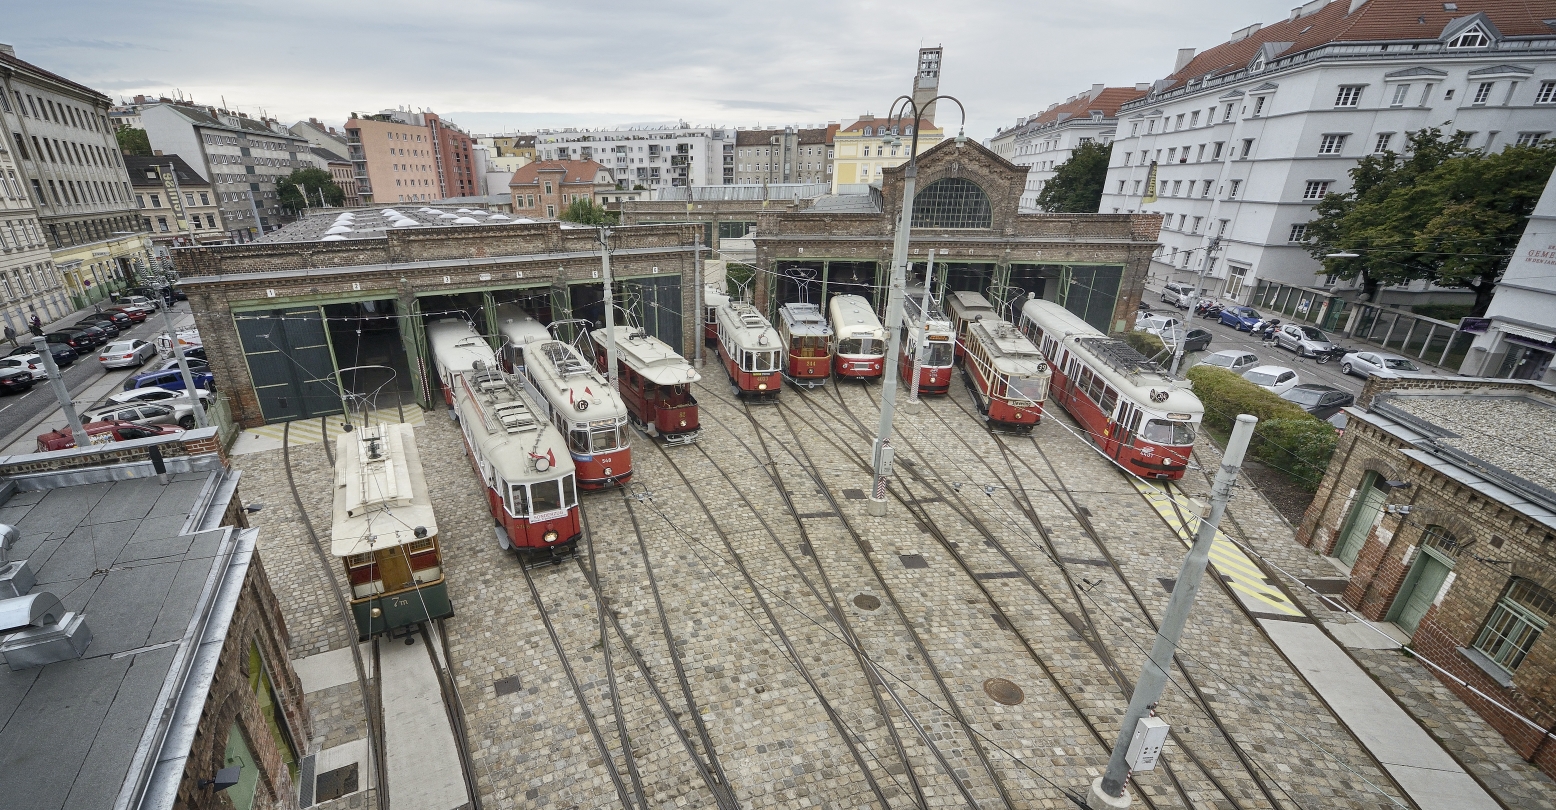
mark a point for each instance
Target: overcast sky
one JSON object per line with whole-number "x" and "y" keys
{"x": 492, "y": 65}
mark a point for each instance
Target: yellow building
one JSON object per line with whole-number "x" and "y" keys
{"x": 96, "y": 270}
{"x": 861, "y": 155}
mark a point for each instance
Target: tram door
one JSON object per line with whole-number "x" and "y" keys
{"x": 394, "y": 568}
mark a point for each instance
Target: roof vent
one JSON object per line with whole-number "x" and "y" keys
{"x": 41, "y": 631}
{"x": 16, "y": 577}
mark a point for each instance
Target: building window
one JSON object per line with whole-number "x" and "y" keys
{"x": 1349, "y": 96}
{"x": 1315, "y": 189}
{"x": 1258, "y": 106}
{"x": 1531, "y": 138}
{"x": 1247, "y": 147}
{"x": 1516, "y": 623}
{"x": 1236, "y": 184}
{"x": 1399, "y": 95}
{"x": 1382, "y": 144}
{"x": 1136, "y": 190}
{"x": 1197, "y": 221}
{"x": 1473, "y": 38}
{"x": 1227, "y": 115}
{"x": 1331, "y": 145}
{"x": 1217, "y": 153}
{"x": 1546, "y": 95}
{"x": 140, "y": 201}
{"x": 1483, "y": 92}
{"x": 1177, "y": 185}
{"x": 1298, "y": 233}
{"x": 1194, "y": 119}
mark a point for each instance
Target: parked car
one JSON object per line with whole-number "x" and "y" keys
{"x": 168, "y": 412}
{"x": 1154, "y": 323}
{"x": 142, "y": 302}
{"x": 108, "y": 325}
{"x": 1178, "y": 294}
{"x": 73, "y": 338}
{"x": 30, "y": 363}
{"x": 1198, "y": 340}
{"x": 15, "y": 379}
{"x": 1377, "y": 364}
{"x": 1275, "y": 379}
{"x": 179, "y": 294}
{"x": 172, "y": 379}
{"x": 195, "y": 363}
{"x": 135, "y": 314}
{"x": 94, "y": 333}
{"x": 1243, "y": 319}
{"x": 126, "y": 354}
{"x": 1322, "y": 401}
{"x": 63, "y": 354}
{"x": 157, "y": 394}
{"x": 1306, "y": 341}
{"x": 121, "y": 319}
{"x": 103, "y": 433}
{"x": 1236, "y": 361}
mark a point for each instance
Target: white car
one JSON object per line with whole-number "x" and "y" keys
{"x": 1155, "y": 324}
{"x": 167, "y": 412}
{"x": 1377, "y": 364}
{"x": 28, "y": 362}
{"x": 1233, "y": 360}
{"x": 1275, "y": 379}
{"x": 126, "y": 353}
{"x": 1178, "y": 294}
{"x": 152, "y": 393}
{"x": 140, "y": 302}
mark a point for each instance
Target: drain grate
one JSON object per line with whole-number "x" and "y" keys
{"x": 1003, "y": 691}
{"x": 508, "y": 685}
{"x": 914, "y": 561}
{"x": 865, "y": 601}
{"x": 337, "y": 783}
{"x": 853, "y": 494}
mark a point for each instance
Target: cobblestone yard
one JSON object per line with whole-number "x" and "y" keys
{"x": 974, "y": 647}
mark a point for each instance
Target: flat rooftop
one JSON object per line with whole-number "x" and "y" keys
{"x": 1493, "y": 427}
{"x": 371, "y": 223}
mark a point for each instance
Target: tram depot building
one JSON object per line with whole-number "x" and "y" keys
{"x": 1442, "y": 502}
{"x": 284, "y": 317}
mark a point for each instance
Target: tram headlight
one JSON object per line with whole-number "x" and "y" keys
{"x": 377, "y": 612}
{"x": 683, "y": 423}
{"x": 761, "y": 386}
{"x": 550, "y": 537}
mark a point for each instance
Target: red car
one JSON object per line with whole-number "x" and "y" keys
{"x": 136, "y": 315}
{"x": 103, "y": 433}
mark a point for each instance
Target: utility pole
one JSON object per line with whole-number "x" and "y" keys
{"x": 40, "y": 344}
{"x": 610, "y": 310}
{"x": 1140, "y": 739}
{"x": 183, "y": 367}
{"x": 882, "y": 453}
{"x": 254, "y": 209}
{"x": 923, "y": 334}
{"x": 1199, "y": 284}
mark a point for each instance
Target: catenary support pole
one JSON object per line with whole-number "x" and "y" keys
{"x": 697, "y": 329}
{"x": 1199, "y": 288}
{"x": 610, "y": 310}
{"x": 1107, "y": 791}
{"x": 899, "y": 258}
{"x": 183, "y": 368}
{"x": 40, "y": 344}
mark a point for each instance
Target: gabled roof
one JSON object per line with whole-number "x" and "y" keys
{"x": 327, "y": 155}
{"x": 201, "y": 117}
{"x": 1107, "y": 102}
{"x": 136, "y": 166}
{"x": 572, "y": 171}
{"x": 1375, "y": 20}
{"x": 858, "y": 126}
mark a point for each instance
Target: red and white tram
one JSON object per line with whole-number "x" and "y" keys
{"x": 456, "y": 348}
{"x": 861, "y": 340}
{"x": 713, "y": 297}
{"x": 522, "y": 462}
{"x": 656, "y": 384}
{"x": 1007, "y": 374}
{"x": 749, "y": 350}
{"x": 583, "y": 406}
{"x": 964, "y": 307}
{"x": 1130, "y": 407}
{"x": 933, "y": 330}
{"x": 808, "y": 343}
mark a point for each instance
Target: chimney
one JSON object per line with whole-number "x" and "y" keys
{"x": 7, "y": 49}
{"x": 1355, "y": 4}
{"x": 1142, "y": 87}
{"x": 156, "y": 152}
{"x": 1096, "y": 90}
{"x": 1185, "y": 56}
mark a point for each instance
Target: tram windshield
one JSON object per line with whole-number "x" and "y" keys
{"x": 1033, "y": 389}
{"x": 545, "y": 496}
{"x": 1163, "y": 431}
{"x": 598, "y": 437}
{"x": 808, "y": 345}
{"x": 761, "y": 361}
{"x": 864, "y": 345}
{"x": 938, "y": 354}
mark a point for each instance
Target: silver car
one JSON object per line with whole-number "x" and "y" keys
{"x": 1236, "y": 361}
{"x": 152, "y": 393}
{"x": 168, "y": 412}
{"x": 126, "y": 353}
{"x": 1377, "y": 364}
{"x": 1306, "y": 341}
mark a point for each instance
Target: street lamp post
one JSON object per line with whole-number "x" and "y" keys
{"x": 882, "y": 453}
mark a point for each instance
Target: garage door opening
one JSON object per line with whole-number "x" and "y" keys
{"x": 370, "y": 354}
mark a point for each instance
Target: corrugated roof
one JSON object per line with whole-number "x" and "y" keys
{"x": 574, "y": 171}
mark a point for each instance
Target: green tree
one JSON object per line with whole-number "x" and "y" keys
{"x": 308, "y": 181}
{"x": 133, "y": 141}
{"x": 1076, "y": 187}
{"x": 1438, "y": 212}
{"x": 586, "y": 212}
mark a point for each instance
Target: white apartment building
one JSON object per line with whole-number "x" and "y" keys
{"x": 654, "y": 157}
{"x": 1044, "y": 141}
{"x": 1517, "y": 338}
{"x": 29, "y": 283}
{"x": 241, "y": 157}
{"x": 1248, "y": 135}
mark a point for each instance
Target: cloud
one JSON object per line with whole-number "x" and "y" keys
{"x": 779, "y": 106}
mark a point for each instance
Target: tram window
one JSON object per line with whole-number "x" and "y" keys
{"x": 1162, "y": 431}
{"x": 938, "y": 354}
{"x": 547, "y": 495}
{"x": 569, "y": 491}
{"x": 1034, "y": 389}
{"x": 518, "y": 500}
{"x": 863, "y": 345}
{"x": 602, "y": 439}
{"x": 1109, "y": 399}
{"x": 578, "y": 441}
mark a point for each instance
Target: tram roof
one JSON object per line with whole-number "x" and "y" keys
{"x": 650, "y": 356}
{"x": 965, "y": 300}
{"x": 381, "y": 494}
{"x": 519, "y": 326}
{"x": 749, "y": 329}
{"x": 509, "y": 430}
{"x": 913, "y": 310}
{"x": 803, "y": 319}
{"x": 854, "y": 313}
{"x": 565, "y": 379}
{"x": 1011, "y": 351}
{"x": 712, "y": 296}
{"x": 456, "y": 345}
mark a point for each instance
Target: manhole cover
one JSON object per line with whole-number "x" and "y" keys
{"x": 1003, "y": 691}
{"x": 865, "y": 601}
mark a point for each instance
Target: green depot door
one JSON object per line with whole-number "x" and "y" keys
{"x": 290, "y": 362}
{"x": 1369, "y": 503}
{"x": 1426, "y": 578}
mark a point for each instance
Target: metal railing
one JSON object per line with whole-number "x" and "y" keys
{"x": 1405, "y": 333}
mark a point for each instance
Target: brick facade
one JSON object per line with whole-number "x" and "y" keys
{"x": 1493, "y": 542}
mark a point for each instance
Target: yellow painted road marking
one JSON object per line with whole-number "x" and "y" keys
{"x": 1229, "y": 560}
{"x": 309, "y": 431}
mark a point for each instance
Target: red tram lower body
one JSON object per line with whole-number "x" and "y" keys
{"x": 555, "y": 533}
{"x": 603, "y": 470}
{"x": 932, "y": 380}
{"x": 677, "y": 424}
{"x": 809, "y": 371}
{"x": 999, "y": 411}
{"x": 859, "y": 366}
{"x": 756, "y": 386}
{"x": 1145, "y": 459}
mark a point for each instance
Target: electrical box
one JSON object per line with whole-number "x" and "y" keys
{"x": 1146, "y": 746}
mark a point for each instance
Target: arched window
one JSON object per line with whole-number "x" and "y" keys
{"x": 951, "y": 202}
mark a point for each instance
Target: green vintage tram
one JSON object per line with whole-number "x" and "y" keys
{"x": 385, "y": 533}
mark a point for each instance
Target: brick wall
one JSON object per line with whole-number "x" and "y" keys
{"x": 189, "y": 443}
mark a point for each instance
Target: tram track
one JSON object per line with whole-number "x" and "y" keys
{"x": 853, "y": 741}
{"x": 1083, "y": 629}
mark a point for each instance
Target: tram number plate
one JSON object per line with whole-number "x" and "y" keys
{"x": 552, "y": 515}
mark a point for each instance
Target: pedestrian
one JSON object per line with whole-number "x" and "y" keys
{"x": 10, "y": 334}
{"x": 36, "y": 325}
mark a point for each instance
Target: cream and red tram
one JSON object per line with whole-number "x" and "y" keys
{"x": 932, "y": 330}
{"x": 656, "y": 384}
{"x": 861, "y": 340}
{"x": 962, "y": 308}
{"x": 807, "y": 341}
{"x": 749, "y": 350}
{"x": 522, "y": 462}
{"x": 1007, "y": 374}
{"x": 1130, "y": 407}
{"x": 456, "y": 348}
{"x": 713, "y": 297}
{"x": 384, "y": 531}
{"x": 582, "y": 404}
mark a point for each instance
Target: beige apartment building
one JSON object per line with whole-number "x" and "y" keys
{"x": 393, "y": 161}
{"x": 176, "y": 204}
{"x": 29, "y": 283}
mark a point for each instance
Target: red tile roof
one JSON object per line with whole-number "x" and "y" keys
{"x": 1107, "y": 102}
{"x": 573, "y": 171}
{"x": 1375, "y": 20}
{"x": 876, "y": 122}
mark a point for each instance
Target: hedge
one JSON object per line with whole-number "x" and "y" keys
{"x": 1287, "y": 437}
{"x": 1145, "y": 343}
